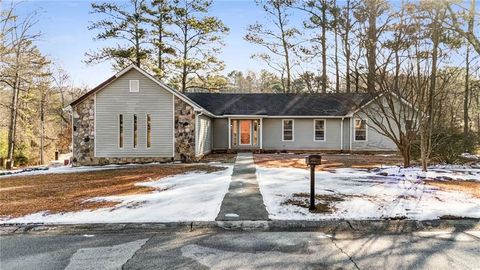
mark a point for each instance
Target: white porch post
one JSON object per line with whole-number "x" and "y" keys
{"x": 261, "y": 133}
{"x": 229, "y": 134}
{"x": 341, "y": 135}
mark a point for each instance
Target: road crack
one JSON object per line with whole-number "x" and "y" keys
{"x": 135, "y": 253}
{"x": 346, "y": 254}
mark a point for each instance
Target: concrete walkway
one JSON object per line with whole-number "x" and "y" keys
{"x": 243, "y": 200}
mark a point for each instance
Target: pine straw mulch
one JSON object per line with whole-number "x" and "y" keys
{"x": 329, "y": 161}
{"x": 55, "y": 193}
{"x": 470, "y": 187}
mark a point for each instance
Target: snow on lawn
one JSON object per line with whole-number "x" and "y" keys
{"x": 194, "y": 196}
{"x": 438, "y": 172}
{"x": 65, "y": 169}
{"x": 360, "y": 194}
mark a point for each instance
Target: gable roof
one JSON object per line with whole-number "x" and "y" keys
{"x": 125, "y": 70}
{"x": 329, "y": 104}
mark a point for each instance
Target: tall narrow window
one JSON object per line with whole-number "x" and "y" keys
{"x": 255, "y": 132}
{"x": 360, "y": 130}
{"x": 287, "y": 127}
{"x": 319, "y": 126}
{"x": 120, "y": 131}
{"x": 149, "y": 131}
{"x": 234, "y": 132}
{"x": 135, "y": 131}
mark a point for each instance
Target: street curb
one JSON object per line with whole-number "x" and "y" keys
{"x": 326, "y": 226}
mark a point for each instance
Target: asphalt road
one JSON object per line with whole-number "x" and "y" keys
{"x": 241, "y": 250}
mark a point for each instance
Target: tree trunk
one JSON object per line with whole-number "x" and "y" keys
{"x": 185, "y": 57}
{"x": 324, "y": 47}
{"x": 346, "y": 44}
{"x": 371, "y": 44}
{"x": 337, "y": 71}
{"x": 13, "y": 123}
{"x": 466, "y": 98}
{"x": 42, "y": 130}
{"x": 427, "y": 132}
{"x": 285, "y": 49}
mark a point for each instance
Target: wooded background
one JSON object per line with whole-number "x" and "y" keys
{"x": 425, "y": 52}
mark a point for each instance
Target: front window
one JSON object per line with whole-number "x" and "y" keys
{"x": 360, "y": 130}
{"x": 319, "y": 126}
{"x": 287, "y": 128}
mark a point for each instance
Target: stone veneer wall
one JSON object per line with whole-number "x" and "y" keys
{"x": 184, "y": 131}
{"x": 83, "y": 140}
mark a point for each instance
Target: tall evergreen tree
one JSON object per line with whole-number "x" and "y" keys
{"x": 159, "y": 16}
{"x": 196, "y": 39}
{"x": 125, "y": 24}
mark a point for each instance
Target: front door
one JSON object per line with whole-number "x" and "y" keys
{"x": 245, "y": 132}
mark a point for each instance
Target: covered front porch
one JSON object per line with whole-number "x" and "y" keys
{"x": 245, "y": 133}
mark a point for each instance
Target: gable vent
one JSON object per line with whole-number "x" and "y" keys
{"x": 134, "y": 86}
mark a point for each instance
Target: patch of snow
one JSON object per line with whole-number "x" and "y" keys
{"x": 232, "y": 215}
{"x": 470, "y": 156}
{"x": 437, "y": 172}
{"x": 365, "y": 195}
{"x": 194, "y": 196}
{"x": 69, "y": 169}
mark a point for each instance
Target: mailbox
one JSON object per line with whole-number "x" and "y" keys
{"x": 313, "y": 160}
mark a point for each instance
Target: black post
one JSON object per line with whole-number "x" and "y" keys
{"x": 312, "y": 187}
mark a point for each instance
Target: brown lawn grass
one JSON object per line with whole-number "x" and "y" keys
{"x": 470, "y": 187}
{"x": 329, "y": 161}
{"x": 22, "y": 195}
{"x": 220, "y": 157}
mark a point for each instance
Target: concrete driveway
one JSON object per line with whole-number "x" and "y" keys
{"x": 241, "y": 250}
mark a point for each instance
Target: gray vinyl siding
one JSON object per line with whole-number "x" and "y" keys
{"x": 220, "y": 133}
{"x": 204, "y": 135}
{"x": 375, "y": 141}
{"x": 116, "y": 99}
{"x": 303, "y": 135}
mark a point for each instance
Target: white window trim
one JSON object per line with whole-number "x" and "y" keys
{"x": 118, "y": 138}
{"x": 293, "y": 130}
{"x": 138, "y": 86}
{"x": 355, "y": 130}
{"x": 324, "y": 130}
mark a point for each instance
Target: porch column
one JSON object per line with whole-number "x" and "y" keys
{"x": 261, "y": 133}
{"x": 229, "y": 134}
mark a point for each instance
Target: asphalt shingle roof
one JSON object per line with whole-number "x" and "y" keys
{"x": 331, "y": 104}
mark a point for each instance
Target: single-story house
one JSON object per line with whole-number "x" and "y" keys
{"x": 133, "y": 117}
